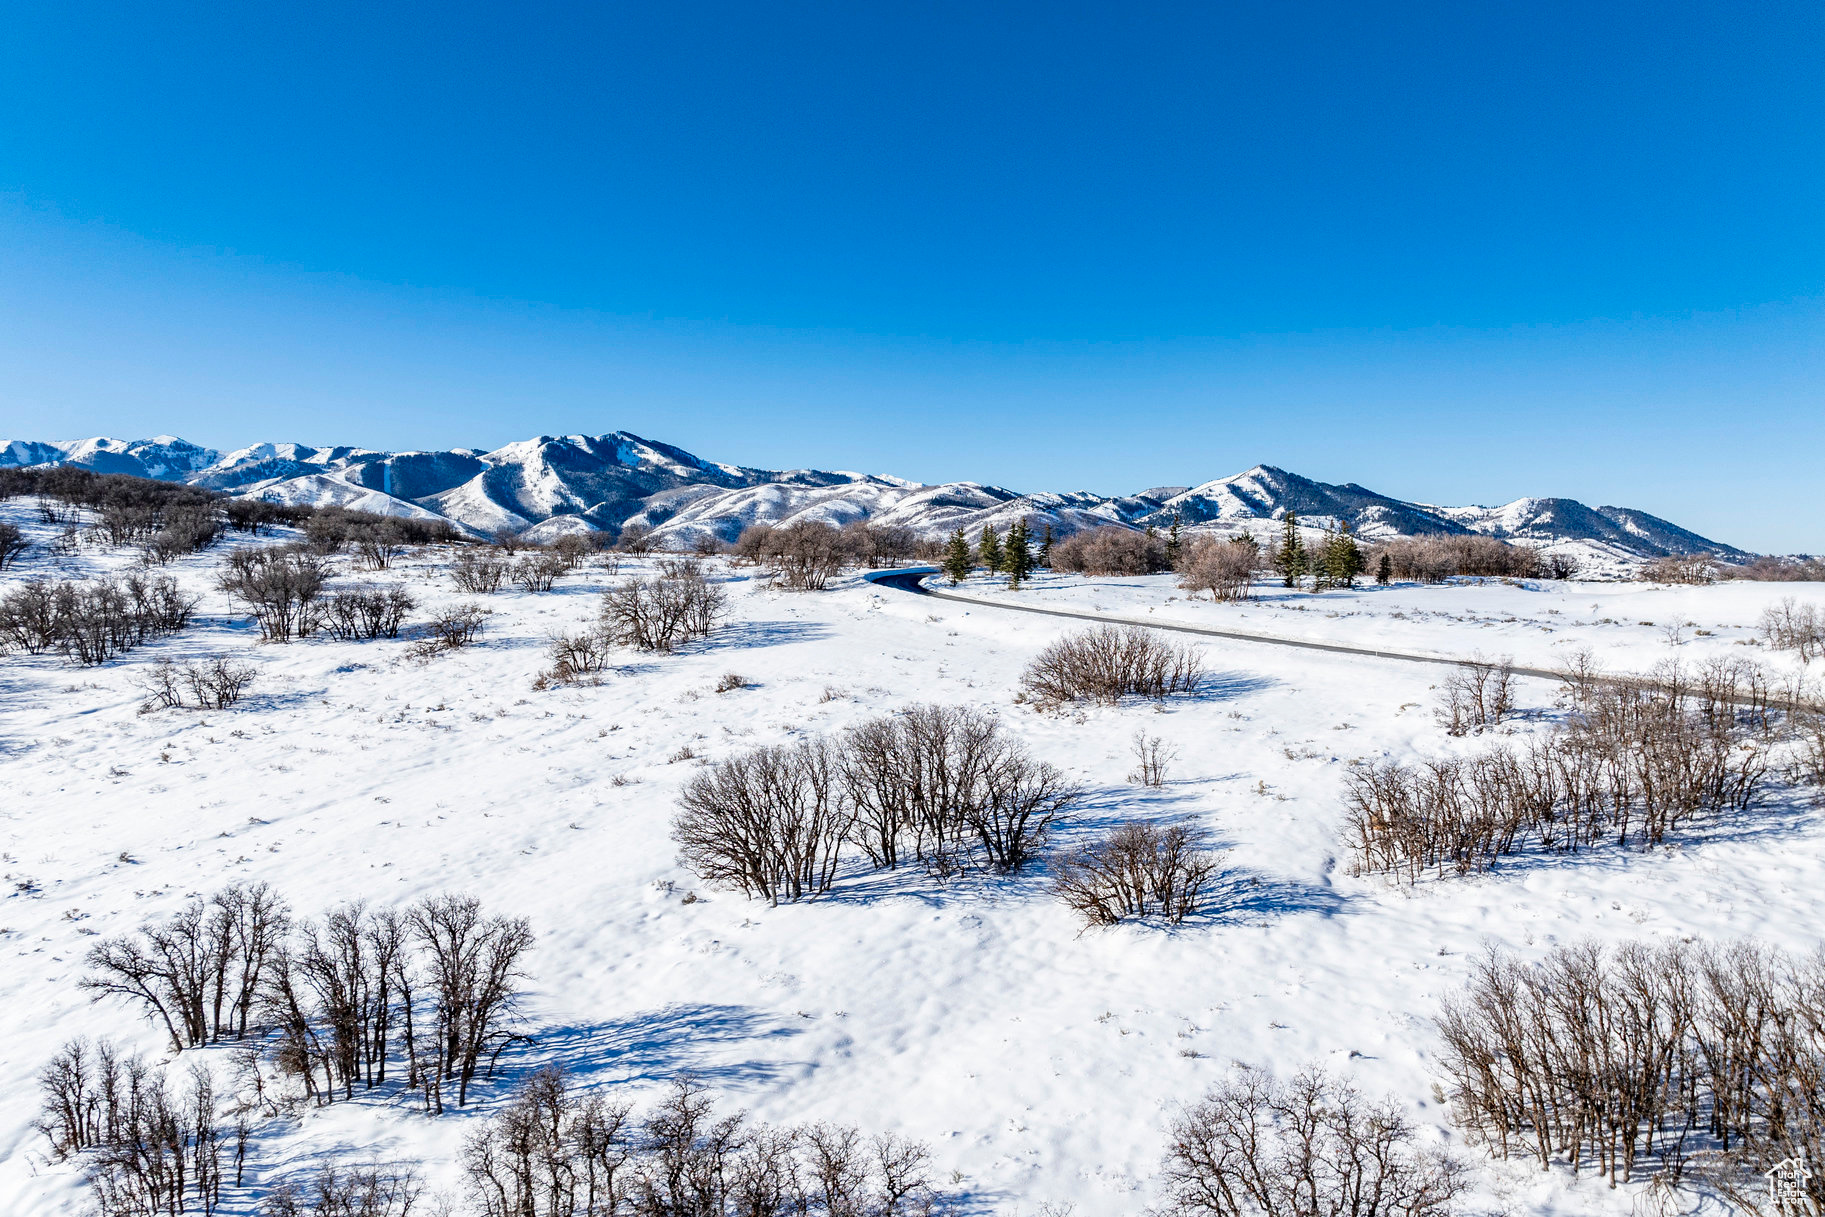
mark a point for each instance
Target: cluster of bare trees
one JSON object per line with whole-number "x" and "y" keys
{"x": 553, "y": 1153}
{"x": 90, "y": 622}
{"x": 1139, "y": 870}
{"x": 375, "y": 540}
{"x": 1680, "y": 568}
{"x": 151, "y": 1150}
{"x": 1259, "y": 1147}
{"x": 663, "y": 612}
{"x": 1635, "y": 761}
{"x": 1690, "y": 1057}
{"x": 1777, "y": 570}
{"x": 366, "y": 611}
{"x": 434, "y": 986}
{"x": 339, "y": 1190}
{"x": 12, "y": 544}
{"x": 1437, "y": 558}
{"x": 1478, "y": 694}
{"x": 198, "y": 684}
{"x": 805, "y": 555}
{"x": 480, "y": 572}
{"x": 1112, "y": 550}
{"x": 280, "y": 585}
{"x": 1225, "y": 569}
{"x": 1109, "y": 662}
{"x": 939, "y": 786}
{"x": 451, "y": 629}
{"x": 1791, "y": 626}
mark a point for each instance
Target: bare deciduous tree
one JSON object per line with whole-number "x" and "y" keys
{"x": 479, "y": 572}
{"x": 770, "y": 822}
{"x": 1139, "y": 870}
{"x": 1478, "y": 694}
{"x": 1257, "y": 1147}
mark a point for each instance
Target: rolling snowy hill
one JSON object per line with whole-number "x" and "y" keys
{"x": 605, "y": 482}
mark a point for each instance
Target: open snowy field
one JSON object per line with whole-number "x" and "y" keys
{"x": 1040, "y": 1061}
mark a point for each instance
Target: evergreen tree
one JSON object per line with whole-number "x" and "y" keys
{"x": 957, "y": 558}
{"x": 1348, "y": 562}
{"x": 1289, "y": 558}
{"x": 1017, "y": 555}
{"x": 1045, "y": 549}
{"x": 988, "y": 551}
{"x": 1172, "y": 543}
{"x": 1323, "y": 563}
{"x": 1384, "y": 571}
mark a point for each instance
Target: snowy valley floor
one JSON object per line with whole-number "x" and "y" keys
{"x": 1040, "y": 1061}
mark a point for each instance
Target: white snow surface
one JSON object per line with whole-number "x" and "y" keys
{"x": 1041, "y": 1061}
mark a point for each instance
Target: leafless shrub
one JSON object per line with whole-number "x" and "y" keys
{"x": 366, "y": 612}
{"x": 1778, "y": 570}
{"x": 1687, "y": 1057}
{"x": 480, "y": 572}
{"x": 208, "y": 684}
{"x": 1152, "y": 756}
{"x": 29, "y": 617}
{"x": 1139, "y": 870}
{"x": 662, "y": 614}
{"x": 1258, "y": 1147}
{"x": 1111, "y": 550}
{"x": 731, "y": 681}
{"x": 1437, "y": 558}
{"x": 880, "y": 544}
{"x": 537, "y": 571}
{"x": 1109, "y": 662}
{"x": 636, "y": 539}
{"x": 1792, "y": 626}
{"x": 280, "y": 586}
{"x": 12, "y": 544}
{"x": 1636, "y": 761}
{"x": 943, "y": 786}
{"x": 769, "y": 822}
{"x": 1680, "y": 568}
{"x": 552, "y": 1153}
{"x": 91, "y": 622}
{"x": 452, "y": 629}
{"x": 1225, "y": 569}
{"x": 1478, "y": 694}
{"x": 580, "y": 655}
{"x": 805, "y": 555}
{"x": 574, "y": 547}
{"x": 338, "y": 1190}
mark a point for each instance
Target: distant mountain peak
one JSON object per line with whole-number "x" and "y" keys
{"x": 559, "y": 483}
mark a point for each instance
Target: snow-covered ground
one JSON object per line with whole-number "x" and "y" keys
{"x": 1040, "y": 1061}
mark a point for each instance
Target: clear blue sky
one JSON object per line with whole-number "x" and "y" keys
{"x": 1458, "y": 252}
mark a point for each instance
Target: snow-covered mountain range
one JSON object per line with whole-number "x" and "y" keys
{"x": 556, "y": 484}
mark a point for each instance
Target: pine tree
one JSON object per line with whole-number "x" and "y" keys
{"x": 1324, "y": 562}
{"x": 957, "y": 558}
{"x": 989, "y": 549}
{"x": 1017, "y": 555}
{"x": 1172, "y": 543}
{"x": 1384, "y": 571}
{"x": 1289, "y": 558}
{"x": 1349, "y": 562}
{"x": 1045, "y": 549}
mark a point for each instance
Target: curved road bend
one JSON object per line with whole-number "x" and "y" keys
{"x": 911, "y": 579}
